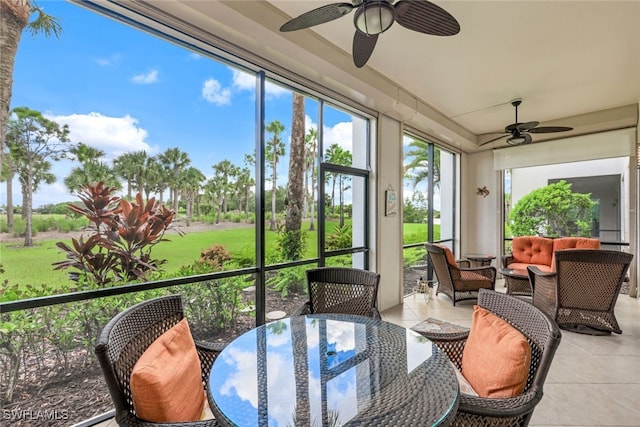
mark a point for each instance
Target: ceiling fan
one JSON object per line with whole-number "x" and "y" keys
{"x": 373, "y": 17}
{"x": 520, "y": 133}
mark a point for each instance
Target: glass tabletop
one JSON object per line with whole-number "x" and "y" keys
{"x": 332, "y": 370}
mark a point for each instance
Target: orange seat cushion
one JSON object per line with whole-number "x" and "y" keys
{"x": 532, "y": 250}
{"x": 496, "y": 357}
{"x": 471, "y": 281}
{"x": 166, "y": 382}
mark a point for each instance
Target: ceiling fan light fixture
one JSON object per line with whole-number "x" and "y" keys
{"x": 374, "y": 17}
{"x": 517, "y": 140}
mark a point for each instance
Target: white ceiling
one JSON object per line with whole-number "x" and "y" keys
{"x": 563, "y": 58}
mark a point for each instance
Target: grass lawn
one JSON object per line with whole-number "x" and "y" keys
{"x": 33, "y": 266}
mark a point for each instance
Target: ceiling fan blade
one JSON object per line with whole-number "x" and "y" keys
{"x": 317, "y": 16}
{"x": 363, "y": 45}
{"x": 426, "y": 17}
{"x": 550, "y": 129}
{"x": 493, "y": 140}
{"x": 527, "y": 126}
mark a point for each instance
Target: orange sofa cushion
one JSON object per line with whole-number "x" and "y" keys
{"x": 575, "y": 243}
{"x": 496, "y": 357}
{"x": 532, "y": 250}
{"x": 563, "y": 243}
{"x": 166, "y": 382}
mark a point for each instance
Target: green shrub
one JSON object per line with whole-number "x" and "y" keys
{"x": 289, "y": 280}
{"x": 339, "y": 238}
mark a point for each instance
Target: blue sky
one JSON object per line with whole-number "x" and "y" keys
{"x": 121, "y": 90}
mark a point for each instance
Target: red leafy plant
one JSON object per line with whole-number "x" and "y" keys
{"x": 123, "y": 234}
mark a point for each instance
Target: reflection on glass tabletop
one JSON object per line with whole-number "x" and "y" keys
{"x": 332, "y": 370}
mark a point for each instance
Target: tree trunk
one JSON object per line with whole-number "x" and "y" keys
{"x": 10, "y": 219}
{"x": 246, "y": 203}
{"x": 305, "y": 208}
{"x": 313, "y": 201}
{"x": 14, "y": 16}
{"x": 295, "y": 186}
{"x": 27, "y": 204}
{"x": 273, "y": 197}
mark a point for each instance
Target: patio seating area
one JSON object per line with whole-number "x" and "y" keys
{"x": 600, "y": 370}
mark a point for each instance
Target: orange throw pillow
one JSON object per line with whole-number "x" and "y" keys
{"x": 166, "y": 382}
{"x": 451, "y": 260}
{"x": 496, "y": 357}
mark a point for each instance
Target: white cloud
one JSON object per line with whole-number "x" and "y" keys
{"x": 309, "y": 123}
{"x": 109, "y": 61}
{"x": 213, "y": 92}
{"x": 146, "y": 79}
{"x": 341, "y": 134}
{"x": 244, "y": 81}
{"x": 113, "y": 135}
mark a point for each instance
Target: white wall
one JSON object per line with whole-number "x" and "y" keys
{"x": 525, "y": 180}
{"x": 481, "y": 230}
{"x": 388, "y": 243}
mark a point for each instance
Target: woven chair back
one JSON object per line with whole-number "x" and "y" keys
{"x": 342, "y": 290}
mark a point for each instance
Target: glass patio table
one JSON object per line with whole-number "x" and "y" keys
{"x": 332, "y": 369}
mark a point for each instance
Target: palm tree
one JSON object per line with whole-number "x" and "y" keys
{"x": 311, "y": 147}
{"x": 14, "y": 17}
{"x": 338, "y": 156}
{"x": 174, "y": 160}
{"x": 139, "y": 163}
{"x": 227, "y": 173}
{"x": 246, "y": 181}
{"x": 91, "y": 169}
{"x": 417, "y": 170}
{"x": 275, "y": 149}
{"x": 154, "y": 177}
{"x": 214, "y": 191}
{"x": 125, "y": 167}
{"x": 190, "y": 184}
{"x": 295, "y": 183}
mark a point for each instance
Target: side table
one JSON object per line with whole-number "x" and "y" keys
{"x": 517, "y": 282}
{"x": 480, "y": 260}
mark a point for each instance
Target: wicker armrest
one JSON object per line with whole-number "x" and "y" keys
{"x": 535, "y": 270}
{"x": 451, "y": 343}
{"x": 463, "y": 263}
{"x": 305, "y": 309}
{"x": 501, "y": 407}
{"x": 506, "y": 260}
{"x": 207, "y": 353}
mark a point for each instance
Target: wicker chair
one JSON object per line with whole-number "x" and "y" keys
{"x": 341, "y": 290}
{"x": 543, "y": 336}
{"x": 460, "y": 282}
{"x": 582, "y": 292}
{"x": 127, "y": 336}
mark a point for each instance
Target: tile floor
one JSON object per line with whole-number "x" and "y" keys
{"x": 593, "y": 381}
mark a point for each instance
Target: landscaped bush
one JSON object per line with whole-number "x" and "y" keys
{"x": 339, "y": 238}
{"x": 123, "y": 235}
{"x": 289, "y": 280}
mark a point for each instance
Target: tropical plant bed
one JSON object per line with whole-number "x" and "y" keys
{"x": 66, "y": 397}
